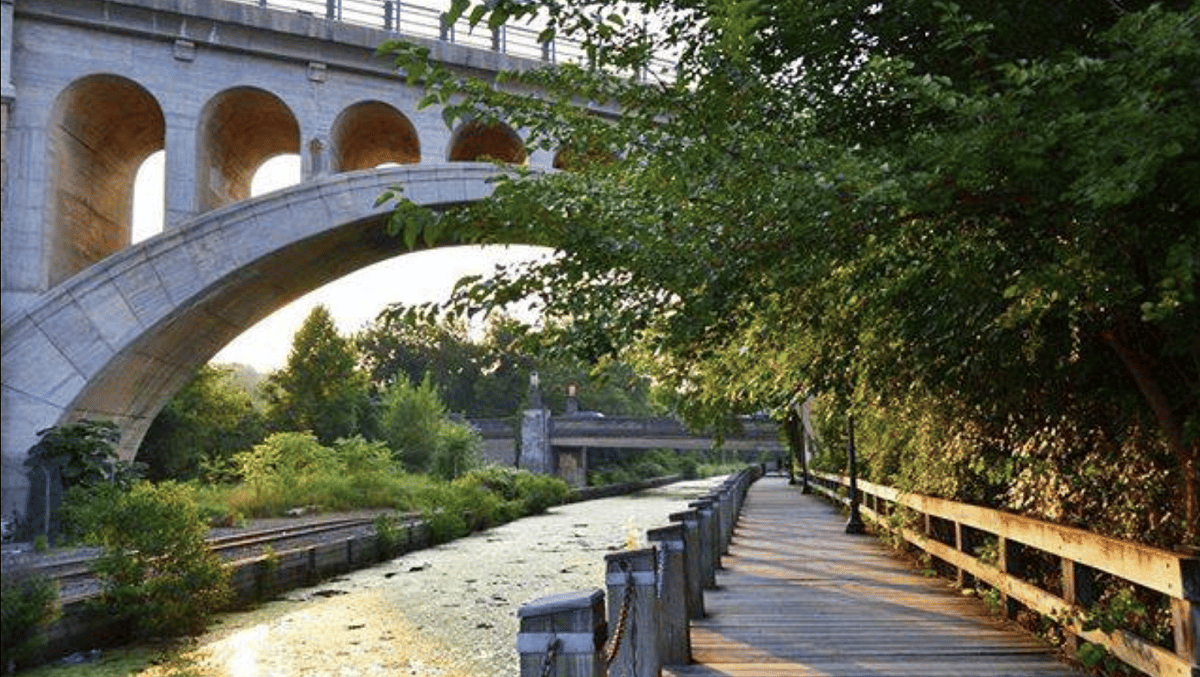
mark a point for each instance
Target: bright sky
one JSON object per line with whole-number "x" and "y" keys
{"x": 412, "y": 278}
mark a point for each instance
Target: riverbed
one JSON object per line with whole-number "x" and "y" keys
{"x": 448, "y": 611}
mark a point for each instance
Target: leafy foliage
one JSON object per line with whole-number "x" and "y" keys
{"x": 320, "y": 389}
{"x": 75, "y": 457}
{"x": 974, "y": 224}
{"x": 29, "y": 602}
{"x": 201, "y": 427}
{"x": 156, "y": 569}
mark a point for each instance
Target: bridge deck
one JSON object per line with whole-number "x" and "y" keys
{"x": 799, "y": 597}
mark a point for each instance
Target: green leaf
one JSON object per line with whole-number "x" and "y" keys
{"x": 477, "y": 15}
{"x": 457, "y": 7}
{"x": 412, "y": 231}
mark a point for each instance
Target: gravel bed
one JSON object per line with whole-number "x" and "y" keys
{"x": 446, "y": 611}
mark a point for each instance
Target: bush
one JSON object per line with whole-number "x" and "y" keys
{"x": 410, "y": 420}
{"x": 156, "y": 569}
{"x": 457, "y": 450}
{"x": 29, "y": 603}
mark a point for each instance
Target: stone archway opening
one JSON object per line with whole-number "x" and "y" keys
{"x": 373, "y": 133}
{"x": 102, "y": 129}
{"x": 475, "y": 142}
{"x": 240, "y": 129}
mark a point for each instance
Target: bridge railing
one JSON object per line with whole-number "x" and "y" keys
{"x": 1013, "y": 554}
{"x": 419, "y": 21}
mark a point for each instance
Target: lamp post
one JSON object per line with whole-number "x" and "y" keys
{"x": 855, "y": 524}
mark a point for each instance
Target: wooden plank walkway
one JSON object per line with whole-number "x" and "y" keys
{"x": 799, "y": 597}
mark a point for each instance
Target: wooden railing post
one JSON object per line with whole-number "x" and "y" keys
{"x": 690, "y": 520}
{"x": 728, "y": 514}
{"x": 963, "y": 544}
{"x": 1008, "y": 562}
{"x": 632, "y": 582}
{"x": 1185, "y": 614}
{"x": 708, "y": 541}
{"x": 1078, "y": 590}
{"x": 675, "y": 646}
{"x": 563, "y": 635}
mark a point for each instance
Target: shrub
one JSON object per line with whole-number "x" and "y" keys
{"x": 29, "y": 604}
{"x": 156, "y": 569}
{"x": 539, "y": 492}
{"x": 458, "y": 449}
{"x": 410, "y": 420}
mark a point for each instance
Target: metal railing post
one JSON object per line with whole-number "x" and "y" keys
{"x": 855, "y": 524}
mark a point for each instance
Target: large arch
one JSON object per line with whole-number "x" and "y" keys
{"x": 475, "y": 141}
{"x": 371, "y": 133}
{"x": 239, "y": 129}
{"x": 116, "y": 341}
{"x": 101, "y": 129}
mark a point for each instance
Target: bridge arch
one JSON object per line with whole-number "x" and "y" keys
{"x": 475, "y": 141}
{"x": 117, "y": 340}
{"x": 239, "y": 129}
{"x": 102, "y": 128}
{"x": 370, "y": 133}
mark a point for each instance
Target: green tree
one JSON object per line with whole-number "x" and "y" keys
{"x": 410, "y": 418}
{"x": 320, "y": 389}
{"x": 392, "y": 348}
{"x": 973, "y": 223}
{"x": 202, "y": 426}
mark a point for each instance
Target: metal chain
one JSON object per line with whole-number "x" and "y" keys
{"x": 622, "y": 619}
{"x": 662, "y": 567}
{"x": 551, "y": 654}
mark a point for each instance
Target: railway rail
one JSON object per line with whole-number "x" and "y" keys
{"x": 76, "y": 580}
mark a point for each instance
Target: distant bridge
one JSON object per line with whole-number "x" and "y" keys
{"x": 565, "y": 452}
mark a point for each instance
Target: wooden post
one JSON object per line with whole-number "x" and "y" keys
{"x": 1078, "y": 589}
{"x": 675, "y": 646}
{"x": 690, "y": 520}
{"x": 1009, "y": 562}
{"x": 633, "y": 612}
{"x": 708, "y": 545}
{"x": 1185, "y": 614}
{"x": 725, "y": 504}
{"x": 563, "y": 635}
{"x": 962, "y": 544}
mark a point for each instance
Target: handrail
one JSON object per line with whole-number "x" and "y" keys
{"x": 1082, "y": 553}
{"x": 413, "y": 20}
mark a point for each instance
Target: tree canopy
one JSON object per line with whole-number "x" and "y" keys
{"x": 320, "y": 388}
{"x": 974, "y": 224}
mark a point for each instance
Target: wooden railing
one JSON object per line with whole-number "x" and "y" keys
{"x": 958, "y": 534}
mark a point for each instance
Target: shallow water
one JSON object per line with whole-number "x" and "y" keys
{"x": 447, "y": 611}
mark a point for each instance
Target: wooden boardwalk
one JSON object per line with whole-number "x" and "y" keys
{"x": 799, "y": 597}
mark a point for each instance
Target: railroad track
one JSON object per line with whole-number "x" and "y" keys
{"x": 75, "y": 574}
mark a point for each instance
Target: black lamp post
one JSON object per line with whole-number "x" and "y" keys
{"x": 855, "y": 524}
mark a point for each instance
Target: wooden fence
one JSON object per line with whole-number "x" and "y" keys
{"x": 1010, "y": 553}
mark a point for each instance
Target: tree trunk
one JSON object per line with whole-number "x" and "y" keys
{"x": 1172, "y": 430}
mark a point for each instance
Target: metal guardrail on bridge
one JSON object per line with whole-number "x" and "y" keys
{"x": 414, "y": 20}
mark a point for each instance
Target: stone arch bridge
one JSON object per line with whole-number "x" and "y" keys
{"x": 94, "y": 327}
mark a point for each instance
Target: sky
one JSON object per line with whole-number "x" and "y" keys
{"x": 413, "y": 278}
